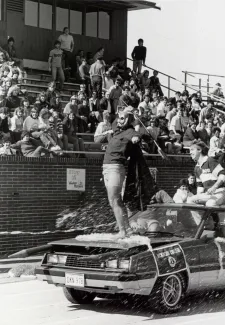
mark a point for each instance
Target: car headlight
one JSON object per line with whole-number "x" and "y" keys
{"x": 124, "y": 264}
{"x": 53, "y": 259}
{"x": 113, "y": 264}
{"x": 56, "y": 259}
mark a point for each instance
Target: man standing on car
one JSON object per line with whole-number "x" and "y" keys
{"x": 210, "y": 177}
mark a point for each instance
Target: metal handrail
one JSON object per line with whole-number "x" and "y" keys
{"x": 203, "y": 74}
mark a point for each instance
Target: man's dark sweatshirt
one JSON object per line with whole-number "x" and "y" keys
{"x": 139, "y": 53}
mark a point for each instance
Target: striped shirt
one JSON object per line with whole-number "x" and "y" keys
{"x": 207, "y": 173}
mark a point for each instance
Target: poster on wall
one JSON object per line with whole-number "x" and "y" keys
{"x": 76, "y": 179}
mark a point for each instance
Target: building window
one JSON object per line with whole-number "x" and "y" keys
{"x": 76, "y": 22}
{"x": 98, "y": 24}
{"x": 1, "y": 6}
{"x": 45, "y": 16}
{"x": 40, "y": 10}
{"x": 103, "y": 25}
{"x": 92, "y": 24}
{"x": 62, "y": 16}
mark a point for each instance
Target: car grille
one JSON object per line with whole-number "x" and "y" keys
{"x": 75, "y": 261}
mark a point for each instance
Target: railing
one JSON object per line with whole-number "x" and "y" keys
{"x": 169, "y": 78}
{"x": 201, "y": 82}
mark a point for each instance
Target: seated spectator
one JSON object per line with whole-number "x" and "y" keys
{"x": 145, "y": 81}
{"x": 51, "y": 91}
{"x": 202, "y": 133}
{"x": 105, "y": 104}
{"x": 155, "y": 83}
{"x": 154, "y": 131}
{"x": 31, "y": 123}
{"x": 84, "y": 110}
{"x": 162, "y": 108}
{"x": 6, "y": 73}
{"x": 177, "y": 126}
{"x": 30, "y": 147}
{"x": 214, "y": 147}
{"x": 4, "y": 123}
{"x": 13, "y": 100}
{"x": 190, "y": 135}
{"x": 208, "y": 128}
{"x": 69, "y": 128}
{"x": 95, "y": 111}
{"x": 56, "y": 105}
{"x": 82, "y": 91}
{"x": 177, "y": 98}
{"x": 172, "y": 112}
{"x": 7, "y": 84}
{"x": 56, "y": 125}
{"x": 108, "y": 81}
{"x": 17, "y": 76}
{"x": 41, "y": 102}
{"x": 6, "y": 150}
{"x": 154, "y": 104}
{"x": 25, "y": 107}
{"x": 207, "y": 113}
{"x": 192, "y": 186}
{"x": 186, "y": 119}
{"x": 103, "y": 133}
{"x": 72, "y": 106}
{"x": 145, "y": 107}
{"x": 11, "y": 50}
{"x": 133, "y": 84}
{"x": 16, "y": 125}
{"x": 182, "y": 193}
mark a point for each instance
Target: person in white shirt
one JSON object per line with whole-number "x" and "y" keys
{"x": 103, "y": 133}
{"x": 214, "y": 149}
{"x": 145, "y": 107}
{"x": 162, "y": 108}
{"x": 108, "y": 81}
{"x": 67, "y": 45}
{"x": 177, "y": 126}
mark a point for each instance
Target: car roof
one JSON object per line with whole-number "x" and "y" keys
{"x": 187, "y": 206}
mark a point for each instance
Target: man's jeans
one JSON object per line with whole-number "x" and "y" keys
{"x": 137, "y": 66}
{"x": 97, "y": 85}
{"x": 60, "y": 72}
{"x": 210, "y": 200}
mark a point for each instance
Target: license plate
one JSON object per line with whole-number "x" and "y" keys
{"x": 75, "y": 280}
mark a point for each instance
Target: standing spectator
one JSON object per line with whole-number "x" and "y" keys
{"x": 97, "y": 72}
{"x": 67, "y": 45}
{"x": 99, "y": 54}
{"x": 55, "y": 64}
{"x": 114, "y": 95}
{"x": 69, "y": 128}
{"x": 103, "y": 133}
{"x": 139, "y": 56}
{"x": 108, "y": 81}
{"x": 16, "y": 125}
{"x": 155, "y": 83}
{"x": 11, "y": 50}
{"x": 84, "y": 74}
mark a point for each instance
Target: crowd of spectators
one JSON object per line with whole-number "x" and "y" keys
{"x": 43, "y": 127}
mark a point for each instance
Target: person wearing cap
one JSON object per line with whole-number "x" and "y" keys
{"x": 103, "y": 133}
{"x": 182, "y": 194}
{"x": 119, "y": 149}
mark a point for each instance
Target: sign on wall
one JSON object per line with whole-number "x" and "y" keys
{"x": 76, "y": 179}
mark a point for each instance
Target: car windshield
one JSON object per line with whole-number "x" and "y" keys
{"x": 165, "y": 221}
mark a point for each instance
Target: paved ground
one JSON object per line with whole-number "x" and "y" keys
{"x": 37, "y": 303}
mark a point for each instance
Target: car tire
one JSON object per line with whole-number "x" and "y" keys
{"x": 167, "y": 294}
{"x": 78, "y": 297}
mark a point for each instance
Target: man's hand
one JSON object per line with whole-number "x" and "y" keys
{"x": 135, "y": 139}
{"x": 110, "y": 132}
{"x": 211, "y": 190}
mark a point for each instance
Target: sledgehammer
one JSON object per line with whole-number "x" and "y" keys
{"x": 31, "y": 251}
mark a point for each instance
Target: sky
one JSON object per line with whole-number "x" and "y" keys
{"x": 184, "y": 35}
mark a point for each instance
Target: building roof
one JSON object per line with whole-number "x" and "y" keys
{"x": 119, "y": 4}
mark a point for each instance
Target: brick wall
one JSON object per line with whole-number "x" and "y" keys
{"x": 33, "y": 194}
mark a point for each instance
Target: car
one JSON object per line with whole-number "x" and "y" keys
{"x": 178, "y": 249}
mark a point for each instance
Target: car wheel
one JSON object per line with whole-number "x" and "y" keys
{"x": 78, "y": 297}
{"x": 168, "y": 293}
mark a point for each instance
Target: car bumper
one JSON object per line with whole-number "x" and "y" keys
{"x": 102, "y": 282}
